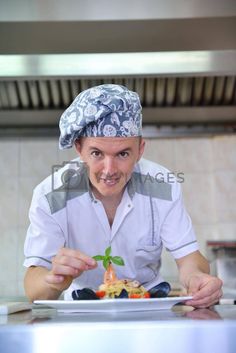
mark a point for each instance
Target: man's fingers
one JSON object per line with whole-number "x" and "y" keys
{"x": 205, "y": 289}
{"x": 208, "y": 288}
{"x": 205, "y": 301}
{"x": 54, "y": 279}
{"x": 71, "y": 264}
{"x": 65, "y": 270}
{"x": 76, "y": 254}
{"x": 58, "y": 282}
{"x": 194, "y": 285}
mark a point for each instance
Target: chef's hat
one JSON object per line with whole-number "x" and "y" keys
{"x": 103, "y": 111}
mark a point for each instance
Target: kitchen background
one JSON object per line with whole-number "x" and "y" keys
{"x": 208, "y": 164}
{"x": 186, "y": 80}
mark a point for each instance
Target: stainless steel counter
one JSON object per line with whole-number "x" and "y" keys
{"x": 178, "y": 330}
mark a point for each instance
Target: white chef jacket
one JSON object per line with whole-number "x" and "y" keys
{"x": 151, "y": 214}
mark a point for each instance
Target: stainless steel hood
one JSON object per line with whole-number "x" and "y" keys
{"x": 180, "y": 59}
{"x": 104, "y": 26}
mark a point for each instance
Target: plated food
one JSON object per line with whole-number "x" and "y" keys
{"x": 112, "y": 287}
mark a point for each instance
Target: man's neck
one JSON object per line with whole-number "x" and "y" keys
{"x": 112, "y": 200}
{"x": 110, "y": 204}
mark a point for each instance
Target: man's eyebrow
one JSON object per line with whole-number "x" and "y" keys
{"x": 123, "y": 149}
{"x": 94, "y": 148}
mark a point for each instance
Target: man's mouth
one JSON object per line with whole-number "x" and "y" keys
{"x": 110, "y": 181}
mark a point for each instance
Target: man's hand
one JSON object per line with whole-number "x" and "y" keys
{"x": 194, "y": 275}
{"x": 67, "y": 265}
{"x": 40, "y": 283}
{"x": 205, "y": 289}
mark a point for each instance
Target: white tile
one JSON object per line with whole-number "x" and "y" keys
{"x": 8, "y": 288}
{"x": 198, "y": 193}
{"x": 26, "y": 187}
{"x": 8, "y": 258}
{"x": 9, "y": 202}
{"x": 225, "y": 196}
{"x": 160, "y": 151}
{"x": 67, "y": 155}
{"x": 9, "y": 157}
{"x": 227, "y": 231}
{"x": 206, "y": 233}
{"x": 20, "y": 288}
{"x": 20, "y": 253}
{"x": 37, "y": 157}
{"x": 225, "y": 152}
{"x": 193, "y": 155}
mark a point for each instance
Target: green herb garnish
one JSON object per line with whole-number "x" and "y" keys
{"x": 108, "y": 259}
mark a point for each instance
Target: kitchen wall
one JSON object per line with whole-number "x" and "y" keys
{"x": 208, "y": 164}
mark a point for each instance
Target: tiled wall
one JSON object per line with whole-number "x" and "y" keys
{"x": 209, "y": 188}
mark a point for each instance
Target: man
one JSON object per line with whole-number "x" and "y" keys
{"x": 109, "y": 196}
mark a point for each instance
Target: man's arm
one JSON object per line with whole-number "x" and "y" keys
{"x": 194, "y": 275}
{"x": 36, "y": 286}
{"x": 41, "y": 283}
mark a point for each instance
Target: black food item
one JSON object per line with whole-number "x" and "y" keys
{"x": 84, "y": 294}
{"x": 123, "y": 294}
{"x": 161, "y": 290}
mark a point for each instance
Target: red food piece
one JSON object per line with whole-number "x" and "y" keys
{"x": 100, "y": 293}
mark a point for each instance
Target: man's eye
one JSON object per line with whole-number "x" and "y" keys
{"x": 124, "y": 154}
{"x": 96, "y": 153}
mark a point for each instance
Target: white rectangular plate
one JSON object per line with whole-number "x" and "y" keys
{"x": 111, "y": 305}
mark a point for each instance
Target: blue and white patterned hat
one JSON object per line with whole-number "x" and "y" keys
{"x": 102, "y": 111}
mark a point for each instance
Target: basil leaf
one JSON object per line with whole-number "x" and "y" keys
{"x": 117, "y": 260}
{"x": 106, "y": 262}
{"x": 108, "y": 251}
{"x": 98, "y": 257}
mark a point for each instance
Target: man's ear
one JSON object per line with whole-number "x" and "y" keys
{"x": 141, "y": 148}
{"x": 78, "y": 146}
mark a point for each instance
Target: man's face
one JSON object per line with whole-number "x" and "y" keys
{"x": 110, "y": 161}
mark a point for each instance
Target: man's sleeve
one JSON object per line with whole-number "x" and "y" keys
{"x": 44, "y": 236}
{"x": 177, "y": 232}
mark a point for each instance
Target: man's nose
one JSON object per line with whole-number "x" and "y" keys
{"x": 109, "y": 167}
